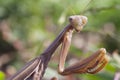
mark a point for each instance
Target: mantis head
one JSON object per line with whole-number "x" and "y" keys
{"x": 78, "y": 21}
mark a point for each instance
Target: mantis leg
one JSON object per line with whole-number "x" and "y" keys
{"x": 102, "y": 64}
{"x": 64, "y": 50}
{"x": 92, "y": 64}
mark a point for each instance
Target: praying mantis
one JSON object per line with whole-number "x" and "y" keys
{"x": 34, "y": 70}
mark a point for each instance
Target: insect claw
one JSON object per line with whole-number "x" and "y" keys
{"x": 92, "y": 64}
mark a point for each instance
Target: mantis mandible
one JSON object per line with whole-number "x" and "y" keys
{"x": 35, "y": 68}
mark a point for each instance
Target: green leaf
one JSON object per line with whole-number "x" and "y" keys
{"x": 2, "y": 76}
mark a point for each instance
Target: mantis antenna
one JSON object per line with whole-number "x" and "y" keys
{"x": 83, "y": 10}
{"x": 86, "y": 6}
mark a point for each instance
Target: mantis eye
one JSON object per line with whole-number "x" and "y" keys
{"x": 84, "y": 20}
{"x": 70, "y": 19}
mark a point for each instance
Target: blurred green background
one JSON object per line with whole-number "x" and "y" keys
{"x": 27, "y": 27}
